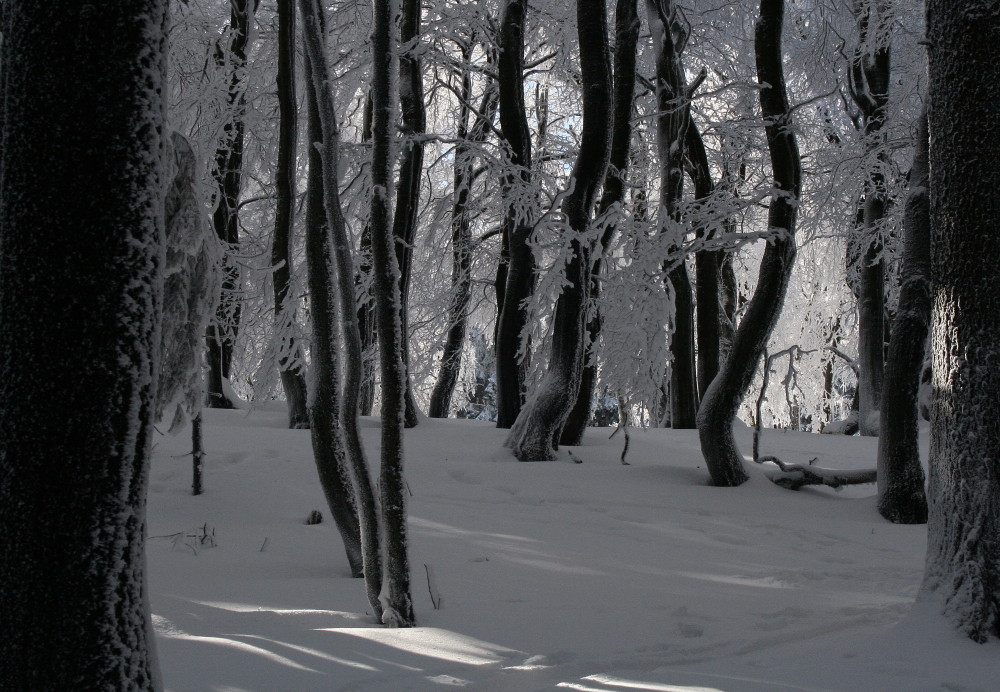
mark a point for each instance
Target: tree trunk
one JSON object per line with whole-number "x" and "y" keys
{"x": 228, "y": 174}
{"x": 963, "y": 551}
{"x": 80, "y": 304}
{"x": 292, "y": 379}
{"x": 329, "y": 448}
{"x": 396, "y": 601}
{"x": 336, "y": 250}
{"x": 626, "y": 39}
{"x": 411, "y": 101}
{"x": 517, "y": 262}
{"x": 535, "y": 434}
{"x": 869, "y": 87}
{"x": 901, "y": 497}
{"x": 723, "y": 398}
{"x": 366, "y": 304}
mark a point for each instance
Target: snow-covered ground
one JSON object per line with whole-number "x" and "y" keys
{"x": 593, "y": 576}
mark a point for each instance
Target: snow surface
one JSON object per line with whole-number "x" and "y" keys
{"x": 595, "y": 576}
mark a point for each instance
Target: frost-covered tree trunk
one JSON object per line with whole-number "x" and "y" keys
{"x": 724, "y": 395}
{"x": 535, "y": 434}
{"x": 292, "y": 378}
{"x": 228, "y": 174}
{"x": 329, "y": 447}
{"x": 338, "y": 264}
{"x": 516, "y": 270}
{"x": 396, "y": 601}
{"x": 901, "y": 497}
{"x": 411, "y": 162}
{"x": 82, "y": 250}
{"x": 963, "y": 550}
{"x": 627, "y": 26}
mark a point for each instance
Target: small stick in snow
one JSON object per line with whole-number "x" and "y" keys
{"x": 575, "y": 458}
{"x": 435, "y": 597}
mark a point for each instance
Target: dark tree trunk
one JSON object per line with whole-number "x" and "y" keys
{"x": 626, "y": 39}
{"x": 869, "y": 87}
{"x": 336, "y": 248}
{"x": 396, "y": 600}
{"x": 516, "y": 271}
{"x": 671, "y": 124}
{"x": 461, "y": 241}
{"x": 963, "y": 550}
{"x": 228, "y": 174}
{"x": 536, "y": 432}
{"x": 81, "y": 203}
{"x": 901, "y": 497}
{"x": 325, "y": 377}
{"x": 411, "y": 102}
{"x": 292, "y": 379}
{"x": 723, "y": 398}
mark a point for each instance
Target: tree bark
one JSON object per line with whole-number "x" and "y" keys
{"x": 411, "y": 101}
{"x": 724, "y": 395}
{"x": 228, "y": 174}
{"x": 535, "y": 434}
{"x": 963, "y": 551}
{"x": 516, "y": 272}
{"x": 901, "y": 497}
{"x": 292, "y": 378}
{"x": 339, "y": 270}
{"x": 82, "y": 208}
{"x": 627, "y": 26}
{"x": 396, "y": 601}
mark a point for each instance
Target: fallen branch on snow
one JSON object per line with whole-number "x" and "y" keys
{"x": 794, "y": 476}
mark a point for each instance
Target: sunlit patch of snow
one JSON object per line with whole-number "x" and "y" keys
{"x": 760, "y": 582}
{"x": 432, "y": 642}
{"x": 250, "y": 608}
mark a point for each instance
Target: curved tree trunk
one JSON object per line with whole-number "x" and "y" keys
{"x": 411, "y": 101}
{"x": 963, "y": 547}
{"x": 626, "y": 39}
{"x": 722, "y": 400}
{"x": 292, "y": 379}
{"x": 80, "y": 295}
{"x": 228, "y": 174}
{"x": 336, "y": 249}
{"x": 396, "y": 601}
{"x": 901, "y": 497}
{"x": 329, "y": 448}
{"x": 517, "y": 262}
{"x": 535, "y": 434}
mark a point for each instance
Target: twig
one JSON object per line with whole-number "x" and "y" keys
{"x": 431, "y": 589}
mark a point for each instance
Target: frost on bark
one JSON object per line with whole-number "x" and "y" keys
{"x": 901, "y": 497}
{"x": 325, "y": 416}
{"x": 228, "y": 174}
{"x": 395, "y": 597}
{"x": 289, "y": 359}
{"x": 337, "y": 265}
{"x": 724, "y": 395}
{"x": 82, "y": 249}
{"x": 963, "y": 551}
{"x": 626, "y": 39}
{"x": 536, "y": 431}
{"x": 515, "y": 280}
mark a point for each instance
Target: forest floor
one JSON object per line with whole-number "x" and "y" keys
{"x": 594, "y": 576}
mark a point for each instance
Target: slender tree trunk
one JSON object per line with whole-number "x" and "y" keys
{"x": 82, "y": 206}
{"x": 869, "y": 87}
{"x": 292, "y": 379}
{"x": 396, "y": 601}
{"x": 517, "y": 262}
{"x": 536, "y": 432}
{"x": 901, "y": 497}
{"x": 337, "y": 251}
{"x": 963, "y": 548}
{"x": 411, "y": 101}
{"x": 366, "y": 305}
{"x": 627, "y": 37}
{"x": 329, "y": 447}
{"x": 723, "y": 398}
{"x": 228, "y": 173}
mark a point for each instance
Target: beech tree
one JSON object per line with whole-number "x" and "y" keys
{"x": 963, "y": 551}
{"x": 82, "y": 248}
